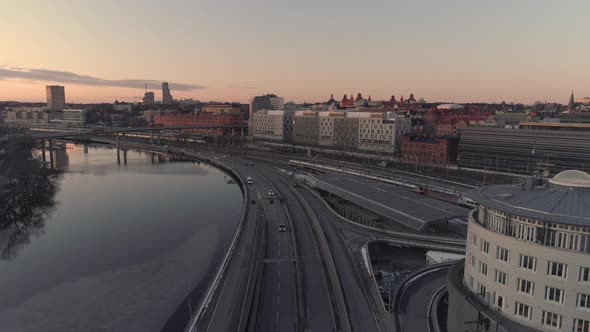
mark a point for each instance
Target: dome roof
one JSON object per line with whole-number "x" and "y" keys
{"x": 572, "y": 178}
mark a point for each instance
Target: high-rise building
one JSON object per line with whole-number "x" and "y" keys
{"x": 56, "y": 97}
{"x": 527, "y": 265}
{"x": 266, "y": 102}
{"x": 166, "y": 96}
{"x": 148, "y": 98}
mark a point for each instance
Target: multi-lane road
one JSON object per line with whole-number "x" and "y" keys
{"x": 308, "y": 278}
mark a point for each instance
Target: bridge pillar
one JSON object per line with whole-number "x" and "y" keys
{"x": 51, "y": 153}
{"x": 152, "y": 155}
{"x": 158, "y": 136}
{"x": 118, "y": 149}
{"x": 125, "y": 156}
{"x": 43, "y": 152}
{"x": 85, "y": 148}
{"x": 151, "y": 137}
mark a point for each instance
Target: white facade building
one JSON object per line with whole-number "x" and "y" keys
{"x": 528, "y": 256}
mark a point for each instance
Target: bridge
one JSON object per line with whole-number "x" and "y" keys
{"x": 72, "y": 132}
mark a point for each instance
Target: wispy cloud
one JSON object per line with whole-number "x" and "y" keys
{"x": 241, "y": 87}
{"x": 65, "y": 77}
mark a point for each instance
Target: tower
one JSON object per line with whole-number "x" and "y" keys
{"x": 56, "y": 97}
{"x": 571, "y": 104}
{"x": 166, "y": 96}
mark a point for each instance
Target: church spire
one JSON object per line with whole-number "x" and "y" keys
{"x": 571, "y": 105}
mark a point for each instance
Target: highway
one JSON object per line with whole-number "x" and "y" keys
{"x": 309, "y": 278}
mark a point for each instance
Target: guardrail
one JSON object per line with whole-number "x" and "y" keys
{"x": 330, "y": 266}
{"x": 212, "y": 288}
{"x": 433, "y": 309}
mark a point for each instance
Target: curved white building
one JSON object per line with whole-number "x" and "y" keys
{"x": 527, "y": 265}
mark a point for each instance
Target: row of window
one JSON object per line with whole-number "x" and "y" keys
{"x": 527, "y": 262}
{"x": 549, "y": 319}
{"x": 557, "y": 235}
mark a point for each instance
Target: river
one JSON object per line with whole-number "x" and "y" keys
{"x": 122, "y": 247}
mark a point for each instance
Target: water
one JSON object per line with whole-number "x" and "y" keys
{"x": 122, "y": 246}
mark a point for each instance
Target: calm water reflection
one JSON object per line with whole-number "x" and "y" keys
{"x": 122, "y": 246}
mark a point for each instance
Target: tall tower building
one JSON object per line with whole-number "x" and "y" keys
{"x": 571, "y": 105}
{"x": 148, "y": 98}
{"x": 166, "y": 96}
{"x": 56, "y": 97}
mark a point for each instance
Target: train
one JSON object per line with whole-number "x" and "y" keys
{"x": 417, "y": 188}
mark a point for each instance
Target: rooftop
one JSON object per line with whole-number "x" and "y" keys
{"x": 400, "y": 205}
{"x": 563, "y": 200}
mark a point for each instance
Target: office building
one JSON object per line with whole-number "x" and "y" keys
{"x": 74, "y": 117}
{"x": 56, "y": 97}
{"x": 266, "y": 102}
{"x": 166, "y": 96}
{"x": 222, "y": 109}
{"x": 434, "y": 151}
{"x": 148, "y": 98}
{"x": 200, "y": 119}
{"x": 272, "y": 125}
{"x": 527, "y": 263}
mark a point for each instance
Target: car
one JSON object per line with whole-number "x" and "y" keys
{"x": 282, "y": 228}
{"x": 249, "y": 180}
{"x": 216, "y": 158}
{"x": 271, "y": 193}
{"x": 248, "y": 163}
{"x": 296, "y": 185}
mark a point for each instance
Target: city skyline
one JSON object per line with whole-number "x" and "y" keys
{"x": 458, "y": 51}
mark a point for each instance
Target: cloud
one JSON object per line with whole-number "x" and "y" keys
{"x": 241, "y": 87}
{"x": 65, "y": 77}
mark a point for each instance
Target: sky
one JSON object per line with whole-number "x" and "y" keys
{"x": 304, "y": 50}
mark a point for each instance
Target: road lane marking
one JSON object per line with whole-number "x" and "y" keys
{"x": 277, "y": 316}
{"x": 278, "y": 299}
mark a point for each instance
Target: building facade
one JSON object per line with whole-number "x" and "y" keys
{"x": 527, "y": 265}
{"x": 272, "y": 125}
{"x": 199, "y": 119}
{"x": 306, "y": 128}
{"x": 74, "y": 117}
{"x": 56, "y": 97}
{"x": 266, "y": 102}
{"x": 431, "y": 151}
{"x": 221, "y": 109}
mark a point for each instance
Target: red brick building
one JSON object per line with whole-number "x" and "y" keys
{"x": 199, "y": 119}
{"x": 430, "y": 151}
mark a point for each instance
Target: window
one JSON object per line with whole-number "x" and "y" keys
{"x": 471, "y": 281}
{"x": 551, "y": 319}
{"x": 501, "y": 277}
{"x": 483, "y": 291}
{"x": 581, "y": 325}
{"x": 528, "y": 262}
{"x": 498, "y": 301}
{"x": 556, "y": 269}
{"x": 584, "y": 274}
{"x": 483, "y": 268}
{"x": 473, "y": 239}
{"x": 503, "y": 254}
{"x": 523, "y": 310}
{"x": 485, "y": 246}
{"x": 554, "y": 294}
{"x": 473, "y": 261}
{"x": 525, "y": 286}
{"x": 583, "y": 301}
